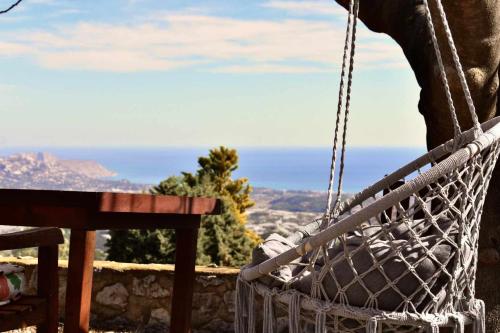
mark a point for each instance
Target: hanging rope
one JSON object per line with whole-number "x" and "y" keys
{"x": 456, "y": 125}
{"x": 349, "y": 45}
{"x": 347, "y": 106}
{"x": 339, "y": 112}
{"x": 460, "y": 71}
{"x": 458, "y": 67}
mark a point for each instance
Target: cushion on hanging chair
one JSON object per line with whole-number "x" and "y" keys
{"x": 427, "y": 251}
{"x": 357, "y": 289}
{"x": 273, "y": 246}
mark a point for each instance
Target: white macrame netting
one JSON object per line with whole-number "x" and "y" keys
{"x": 446, "y": 205}
{"x": 401, "y": 255}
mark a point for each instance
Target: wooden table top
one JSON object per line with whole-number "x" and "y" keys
{"x": 100, "y": 210}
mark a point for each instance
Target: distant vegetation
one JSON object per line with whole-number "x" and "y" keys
{"x": 298, "y": 203}
{"x": 223, "y": 239}
{"x": 314, "y": 202}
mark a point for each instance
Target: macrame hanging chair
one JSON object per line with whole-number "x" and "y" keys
{"x": 401, "y": 255}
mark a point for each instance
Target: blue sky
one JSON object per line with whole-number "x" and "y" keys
{"x": 195, "y": 73}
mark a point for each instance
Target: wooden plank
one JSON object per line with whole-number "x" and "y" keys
{"x": 16, "y": 307}
{"x": 31, "y": 300}
{"x": 48, "y": 286}
{"x": 21, "y": 214}
{"x": 143, "y": 221}
{"x": 157, "y": 204}
{"x": 111, "y": 202}
{"x": 48, "y": 197}
{"x": 7, "y": 313}
{"x": 17, "y": 320}
{"x": 182, "y": 298}
{"x": 77, "y": 218}
{"x": 31, "y": 238}
{"x": 79, "y": 287}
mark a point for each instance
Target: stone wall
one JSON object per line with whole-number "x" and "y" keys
{"x": 137, "y": 297}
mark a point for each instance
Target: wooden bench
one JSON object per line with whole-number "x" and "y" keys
{"x": 40, "y": 310}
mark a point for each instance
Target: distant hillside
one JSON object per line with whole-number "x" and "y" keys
{"x": 292, "y": 200}
{"x": 45, "y": 171}
{"x": 90, "y": 169}
{"x": 284, "y": 211}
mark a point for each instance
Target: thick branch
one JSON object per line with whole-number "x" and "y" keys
{"x": 11, "y": 7}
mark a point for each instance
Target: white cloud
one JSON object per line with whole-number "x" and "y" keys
{"x": 321, "y": 7}
{"x": 43, "y": 2}
{"x": 180, "y": 40}
{"x": 7, "y": 88}
{"x": 270, "y": 68}
{"x": 115, "y": 61}
{"x": 10, "y": 49}
{"x": 65, "y": 11}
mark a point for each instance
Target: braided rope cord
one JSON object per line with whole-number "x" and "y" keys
{"x": 349, "y": 49}
{"x": 456, "y": 125}
{"x": 333, "y": 162}
{"x": 458, "y": 67}
{"x": 460, "y": 71}
{"x": 347, "y": 106}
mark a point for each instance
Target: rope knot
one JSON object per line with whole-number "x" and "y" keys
{"x": 372, "y": 325}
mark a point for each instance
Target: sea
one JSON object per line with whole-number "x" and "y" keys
{"x": 290, "y": 168}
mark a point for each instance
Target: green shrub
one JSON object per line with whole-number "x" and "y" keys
{"x": 222, "y": 240}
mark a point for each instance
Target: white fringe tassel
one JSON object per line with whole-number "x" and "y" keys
{"x": 251, "y": 311}
{"x": 433, "y": 328}
{"x": 294, "y": 314}
{"x": 372, "y": 325}
{"x": 241, "y": 315}
{"x": 320, "y": 326}
{"x": 268, "y": 320}
{"x": 459, "y": 324}
{"x": 479, "y": 325}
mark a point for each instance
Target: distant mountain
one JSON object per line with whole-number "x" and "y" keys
{"x": 46, "y": 171}
{"x": 90, "y": 169}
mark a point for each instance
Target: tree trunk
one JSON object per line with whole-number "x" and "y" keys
{"x": 475, "y": 25}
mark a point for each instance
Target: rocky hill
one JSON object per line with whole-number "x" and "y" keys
{"x": 45, "y": 171}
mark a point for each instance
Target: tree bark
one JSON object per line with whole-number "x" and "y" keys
{"x": 475, "y": 25}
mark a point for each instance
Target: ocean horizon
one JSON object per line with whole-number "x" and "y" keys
{"x": 281, "y": 168}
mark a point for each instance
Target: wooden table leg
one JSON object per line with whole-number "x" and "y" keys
{"x": 182, "y": 298}
{"x": 48, "y": 286}
{"x": 79, "y": 287}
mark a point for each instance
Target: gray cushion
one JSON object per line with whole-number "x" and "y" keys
{"x": 273, "y": 246}
{"x": 364, "y": 260}
{"x": 374, "y": 281}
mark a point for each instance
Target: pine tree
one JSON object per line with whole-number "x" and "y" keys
{"x": 223, "y": 239}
